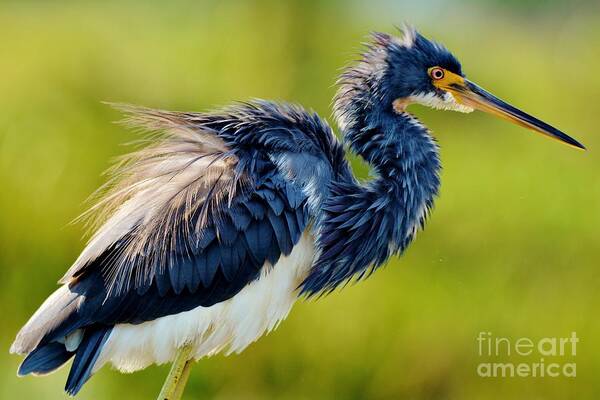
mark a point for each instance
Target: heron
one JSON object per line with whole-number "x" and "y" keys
{"x": 206, "y": 235}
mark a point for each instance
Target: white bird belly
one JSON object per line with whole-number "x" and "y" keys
{"x": 228, "y": 326}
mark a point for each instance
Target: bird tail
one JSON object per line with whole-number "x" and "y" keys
{"x": 54, "y": 334}
{"x": 85, "y": 358}
{"x": 45, "y": 359}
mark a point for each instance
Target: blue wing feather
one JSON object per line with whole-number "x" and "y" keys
{"x": 281, "y": 231}
{"x": 213, "y": 260}
{"x": 257, "y": 210}
{"x": 205, "y": 237}
{"x": 227, "y": 232}
{"x": 180, "y": 276}
{"x": 241, "y": 217}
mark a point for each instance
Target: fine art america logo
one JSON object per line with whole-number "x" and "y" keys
{"x": 536, "y": 358}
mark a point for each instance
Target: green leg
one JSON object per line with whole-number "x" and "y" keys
{"x": 178, "y": 375}
{"x": 185, "y": 374}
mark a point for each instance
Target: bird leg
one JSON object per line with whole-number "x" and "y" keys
{"x": 178, "y": 375}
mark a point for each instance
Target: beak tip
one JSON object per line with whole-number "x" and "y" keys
{"x": 578, "y": 145}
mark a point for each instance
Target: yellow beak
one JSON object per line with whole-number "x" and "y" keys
{"x": 469, "y": 94}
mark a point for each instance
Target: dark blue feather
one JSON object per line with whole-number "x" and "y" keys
{"x": 229, "y": 262}
{"x": 253, "y": 239}
{"x": 181, "y": 275}
{"x": 281, "y": 232}
{"x": 240, "y": 216}
{"x": 195, "y": 277}
{"x": 162, "y": 278}
{"x": 226, "y": 231}
{"x": 85, "y": 357}
{"x": 292, "y": 226}
{"x": 265, "y": 240}
{"x": 45, "y": 359}
{"x": 213, "y": 260}
{"x": 256, "y": 208}
{"x": 206, "y": 275}
{"x": 205, "y": 237}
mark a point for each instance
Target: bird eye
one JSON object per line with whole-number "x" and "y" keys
{"x": 436, "y": 73}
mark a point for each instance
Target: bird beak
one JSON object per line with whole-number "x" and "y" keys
{"x": 472, "y": 95}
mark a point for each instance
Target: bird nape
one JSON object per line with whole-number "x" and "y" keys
{"x": 205, "y": 238}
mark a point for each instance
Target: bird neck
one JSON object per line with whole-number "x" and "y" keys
{"x": 404, "y": 158}
{"x": 402, "y": 153}
{"x": 363, "y": 224}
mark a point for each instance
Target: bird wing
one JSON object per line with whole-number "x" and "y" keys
{"x": 188, "y": 221}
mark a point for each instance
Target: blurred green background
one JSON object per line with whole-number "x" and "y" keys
{"x": 512, "y": 248}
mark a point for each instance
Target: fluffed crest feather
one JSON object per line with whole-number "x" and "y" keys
{"x": 360, "y": 81}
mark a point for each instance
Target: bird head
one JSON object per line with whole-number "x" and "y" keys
{"x": 395, "y": 72}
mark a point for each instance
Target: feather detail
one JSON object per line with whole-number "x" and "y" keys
{"x": 185, "y": 172}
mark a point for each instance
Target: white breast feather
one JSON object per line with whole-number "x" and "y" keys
{"x": 228, "y": 326}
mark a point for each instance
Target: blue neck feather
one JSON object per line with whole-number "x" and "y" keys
{"x": 362, "y": 225}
